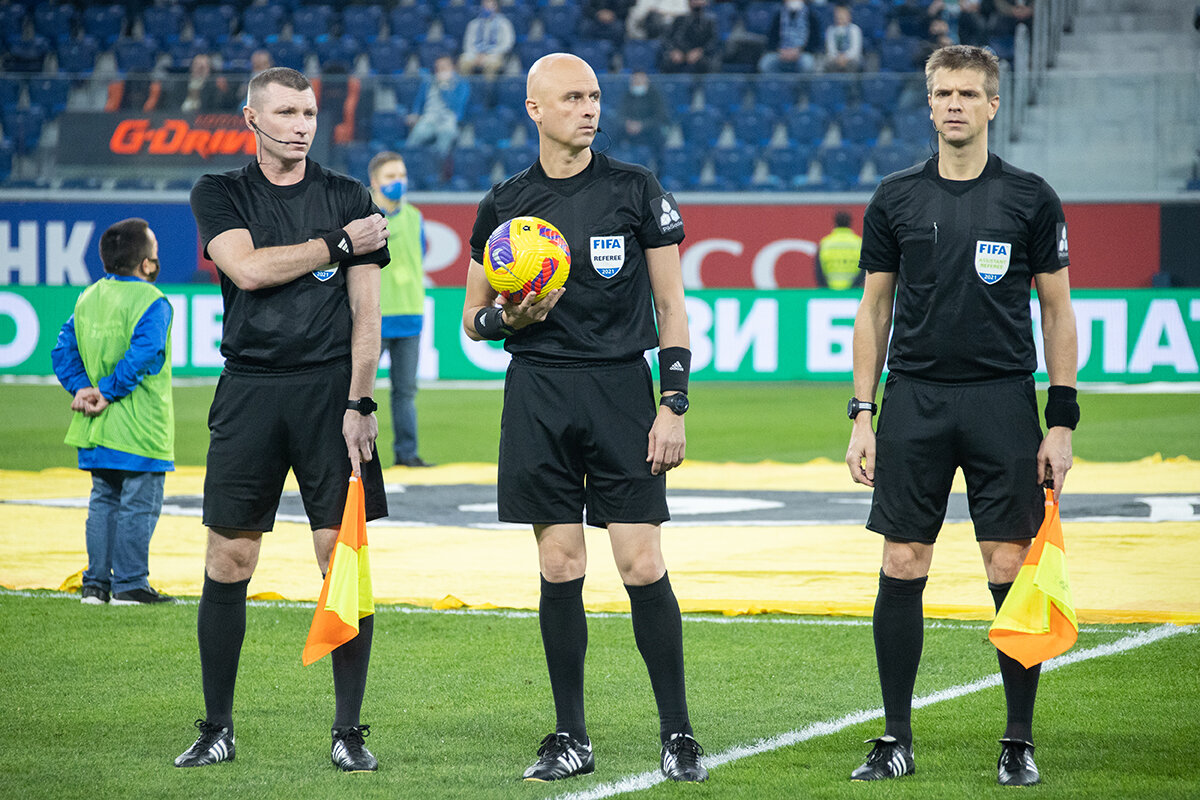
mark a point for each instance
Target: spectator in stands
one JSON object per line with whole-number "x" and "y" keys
{"x": 487, "y": 42}
{"x": 643, "y": 113}
{"x": 692, "y": 44}
{"x": 260, "y": 60}
{"x": 1008, "y": 14}
{"x": 791, "y": 40}
{"x": 605, "y": 19}
{"x": 201, "y": 91}
{"x": 843, "y": 43}
{"x": 937, "y": 38}
{"x": 341, "y": 94}
{"x": 966, "y": 18}
{"x": 650, "y": 19}
{"x": 137, "y": 91}
{"x": 438, "y": 107}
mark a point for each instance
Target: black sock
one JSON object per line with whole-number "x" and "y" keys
{"x": 350, "y": 662}
{"x": 899, "y": 626}
{"x": 1020, "y": 684}
{"x": 658, "y": 631}
{"x": 220, "y": 628}
{"x": 564, "y": 637}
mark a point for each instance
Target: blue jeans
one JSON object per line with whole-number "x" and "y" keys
{"x": 403, "y": 372}
{"x": 122, "y": 513}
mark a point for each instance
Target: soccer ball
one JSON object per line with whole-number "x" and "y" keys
{"x": 526, "y": 255}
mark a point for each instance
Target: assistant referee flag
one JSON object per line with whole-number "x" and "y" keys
{"x": 346, "y": 596}
{"x": 1037, "y": 620}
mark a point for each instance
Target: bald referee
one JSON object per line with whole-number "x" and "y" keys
{"x": 954, "y": 243}
{"x": 581, "y": 428}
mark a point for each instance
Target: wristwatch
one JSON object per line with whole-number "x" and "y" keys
{"x": 855, "y": 405}
{"x": 677, "y": 402}
{"x": 363, "y": 405}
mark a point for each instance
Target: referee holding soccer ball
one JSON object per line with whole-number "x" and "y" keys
{"x": 580, "y": 428}
{"x": 953, "y": 244}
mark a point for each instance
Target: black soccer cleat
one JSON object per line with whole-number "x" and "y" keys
{"x": 888, "y": 759}
{"x": 350, "y": 752}
{"x": 1016, "y": 767}
{"x": 561, "y": 756}
{"x": 140, "y": 597}
{"x": 214, "y": 745}
{"x": 681, "y": 759}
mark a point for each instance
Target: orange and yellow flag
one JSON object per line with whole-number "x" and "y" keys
{"x": 346, "y": 596}
{"x": 1037, "y": 620}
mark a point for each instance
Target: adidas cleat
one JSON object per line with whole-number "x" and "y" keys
{"x": 1016, "y": 767}
{"x": 561, "y": 756}
{"x": 681, "y": 759}
{"x": 350, "y": 752}
{"x": 214, "y": 745}
{"x": 889, "y": 759}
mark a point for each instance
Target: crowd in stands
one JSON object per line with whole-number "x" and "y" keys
{"x": 716, "y": 94}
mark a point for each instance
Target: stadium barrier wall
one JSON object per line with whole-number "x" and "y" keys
{"x": 1125, "y": 336}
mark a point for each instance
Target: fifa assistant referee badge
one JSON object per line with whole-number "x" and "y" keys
{"x": 363, "y": 405}
{"x": 677, "y": 402}
{"x": 855, "y": 406}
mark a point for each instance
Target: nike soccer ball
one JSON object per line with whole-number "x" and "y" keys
{"x": 526, "y": 255}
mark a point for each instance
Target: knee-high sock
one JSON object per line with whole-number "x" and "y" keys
{"x": 350, "y": 662}
{"x": 899, "y": 626}
{"x": 1020, "y": 684}
{"x": 220, "y": 628}
{"x": 658, "y": 630}
{"x": 564, "y": 637}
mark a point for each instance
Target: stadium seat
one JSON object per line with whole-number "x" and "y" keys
{"x": 881, "y": 91}
{"x": 1003, "y": 46}
{"x": 10, "y": 92}
{"x": 183, "y": 51}
{"x": 406, "y": 88}
{"x": 830, "y": 93}
{"x": 787, "y": 167}
{"x": 723, "y": 92}
{"x": 263, "y": 21}
{"x": 860, "y": 124}
{"x": 50, "y": 94}
{"x": 560, "y": 21}
{"x": 531, "y": 50}
{"x": 364, "y": 23}
{"x": 633, "y": 153}
{"x": 313, "y": 21}
{"x": 774, "y": 92}
{"x": 473, "y": 168}
{"x": 640, "y": 55}
{"x": 429, "y": 50}
{"x": 6, "y": 159}
{"x": 23, "y": 127}
{"x": 179, "y": 185}
{"x": 521, "y": 17}
{"x": 136, "y": 55}
{"x": 871, "y": 18}
{"x": 759, "y": 16}
{"x": 596, "y": 52}
{"x": 12, "y": 22}
{"x": 495, "y": 126}
{"x": 677, "y": 90}
{"x": 895, "y": 157}
{"x": 822, "y": 15}
{"x": 727, "y": 17}
{"x": 806, "y": 126}
{"x": 28, "y": 55}
{"x": 214, "y": 23}
{"x": 518, "y": 159}
{"x": 164, "y": 23}
{"x": 733, "y": 168}
{"x": 337, "y": 50}
{"x": 508, "y": 91}
{"x": 898, "y": 55}
{"x": 424, "y": 168}
{"x": 236, "y": 52}
{"x": 287, "y": 51}
{"x": 53, "y": 21}
{"x": 85, "y": 182}
{"x": 136, "y": 184}
{"x": 388, "y": 55}
{"x": 702, "y": 127}
{"x": 411, "y": 22}
{"x": 77, "y": 56}
{"x": 387, "y": 129}
{"x": 454, "y": 20}
{"x": 841, "y": 166}
{"x": 681, "y": 168}
{"x": 104, "y": 23}
{"x": 912, "y": 125}
{"x": 755, "y": 126}
{"x": 612, "y": 88}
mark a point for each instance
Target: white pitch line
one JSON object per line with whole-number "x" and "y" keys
{"x": 636, "y": 783}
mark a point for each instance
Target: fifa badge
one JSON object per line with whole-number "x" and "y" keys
{"x": 325, "y": 274}
{"x": 991, "y": 260}
{"x": 608, "y": 254}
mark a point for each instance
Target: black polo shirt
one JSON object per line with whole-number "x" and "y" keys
{"x": 305, "y": 322}
{"x": 966, "y": 252}
{"x": 610, "y": 214}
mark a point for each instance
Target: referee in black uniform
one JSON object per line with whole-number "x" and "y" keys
{"x": 581, "y": 428}
{"x": 955, "y": 242}
{"x": 299, "y": 251}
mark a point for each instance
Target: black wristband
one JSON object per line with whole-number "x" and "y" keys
{"x": 339, "y": 245}
{"x": 489, "y": 323}
{"x": 1062, "y": 407}
{"x": 674, "y": 368}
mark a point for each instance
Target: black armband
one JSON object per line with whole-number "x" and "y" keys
{"x": 339, "y": 245}
{"x": 489, "y": 323}
{"x": 1062, "y": 408}
{"x": 674, "y": 367}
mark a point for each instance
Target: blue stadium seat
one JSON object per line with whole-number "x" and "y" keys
{"x": 830, "y": 93}
{"x": 6, "y": 159}
{"x": 860, "y": 124}
{"x": 424, "y": 168}
{"x": 23, "y": 127}
{"x": 337, "y": 50}
{"x": 429, "y": 50}
{"x": 53, "y": 21}
{"x": 89, "y": 183}
{"x": 521, "y": 17}
{"x": 518, "y": 159}
{"x": 508, "y": 91}
{"x": 633, "y": 153}
{"x": 681, "y": 168}
{"x": 214, "y": 23}
{"x": 640, "y": 55}
{"x": 10, "y": 92}
{"x": 677, "y": 90}
{"x": 560, "y": 21}
{"x": 895, "y": 157}
{"x": 612, "y": 88}
{"x": 495, "y": 126}
{"x": 263, "y": 21}
{"x": 473, "y": 168}
{"x": 702, "y": 127}
{"x": 754, "y": 126}
{"x": 411, "y": 22}
{"x": 454, "y": 20}
{"x": 236, "y": 52}
{"x": 912, "y": 125}
{"x": 733, "y": 168}
{"x": 871, "y": 17}
{"x": 77, "y": 56}
{"x": 388, "y": 129}
{"x": 759, "y": 16}
{"x": 406, "y": 88}
{"x": 787, "y": 167}
{"x": 724, "y": 92}
{"x": 183, "y": 51}
{"x": 388, "y": 55}
{"x": 597, "y": 53}
{"x": 28, "y": 55}
{"x": 775, "y": 92}
{"x": 12, "y": 22}
{"x": 287, "y": 52}
{"x": 841, "y": 166}
{"x": 164, "y": 23}
{"x": 1003, "y": 46}
{"x": 364, "y": 23}
{"x": 50, "y": 94}
{"x": 531, "y": 50}
{"x": 806, "y": 126}
{"x": 898, "y": 55}
{"x": 358, "y": 156}
{"x": 881, "y": 91}
{"x": 313, "y": 21}
{"x": 104, "y": 23}
{"x": 727, "y": 17}
{"x": 822, "y": 15}
{"x": 179, "y": 185}
{"x": 135, "y": 55}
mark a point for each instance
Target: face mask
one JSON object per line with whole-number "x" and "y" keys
{"x": 794, "y": 5}
{"x": 395, "y": 190}
{"x": 638, "y": 90}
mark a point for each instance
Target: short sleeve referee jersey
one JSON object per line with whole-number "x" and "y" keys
{"x": 610, "y": 214}
{"x": 966, "y": 252}
{"x": 303, "y": 323}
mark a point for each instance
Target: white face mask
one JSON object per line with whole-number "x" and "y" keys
{"x": 638, "y": 89}
{"x": 794, "y": 5}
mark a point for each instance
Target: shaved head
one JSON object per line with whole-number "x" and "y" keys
{"x": 553, "y": 70}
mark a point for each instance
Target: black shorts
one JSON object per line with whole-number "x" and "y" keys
{"x": 928, "y": 430}
{"x": 575, "y": 437}
{"x": 261, "y": 425}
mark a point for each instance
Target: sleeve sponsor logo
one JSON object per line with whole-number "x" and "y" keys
{"x": 1061, "y": 233}
{"x": 666, "y": 212}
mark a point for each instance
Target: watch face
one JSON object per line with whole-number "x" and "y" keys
{"x": 676, "y": 402}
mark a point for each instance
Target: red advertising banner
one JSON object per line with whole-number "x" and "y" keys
{"x": 773, "y": 246}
